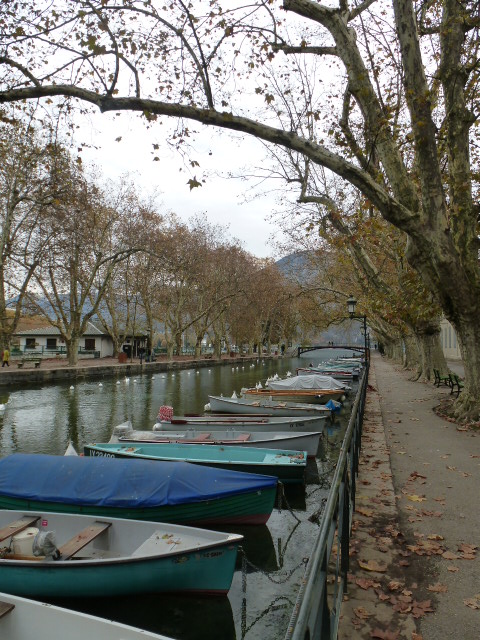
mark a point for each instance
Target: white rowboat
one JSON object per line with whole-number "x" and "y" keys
{"x": 23, "y": 619}
{"x": 266, "y": 407}
{"x": 285, "y": 440}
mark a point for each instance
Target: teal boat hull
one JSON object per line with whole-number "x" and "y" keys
{"x": 247, "y": 508}
{"x": 287, "y": 466}
{"x": 184, "y": 573}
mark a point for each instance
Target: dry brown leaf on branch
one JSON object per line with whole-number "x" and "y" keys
{"x": 438, "y": 588}
{"x": 372, "y": 565}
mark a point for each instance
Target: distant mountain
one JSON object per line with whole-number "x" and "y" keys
{"x": 298, "y": 266}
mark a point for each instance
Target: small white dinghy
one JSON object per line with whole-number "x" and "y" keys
{"x": 291, "y": 440}
{"x": 23, "y": 619}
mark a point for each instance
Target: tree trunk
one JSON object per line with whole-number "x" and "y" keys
{"x": 431, "y": 354}
{"x": 467, "y": 405}
{"x": 178, "y": 343}
{"x": 198, "y": 346}
{"x": 72, "y": 351}
{"x": 412, "y": 357}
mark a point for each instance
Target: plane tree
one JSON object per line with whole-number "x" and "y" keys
{"x": 32, "y": 169}
{"x": 85, "y": 246}
{"x": 207, "y": 64}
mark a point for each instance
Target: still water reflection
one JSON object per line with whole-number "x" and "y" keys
{"x": 44, "y": 418}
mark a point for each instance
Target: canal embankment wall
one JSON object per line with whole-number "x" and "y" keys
{"x": 57, "y": 370}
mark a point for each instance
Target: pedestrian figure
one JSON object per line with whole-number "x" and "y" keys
{"x": 5, "y": 358}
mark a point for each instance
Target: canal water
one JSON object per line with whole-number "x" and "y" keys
{"x": 270, "y": 567}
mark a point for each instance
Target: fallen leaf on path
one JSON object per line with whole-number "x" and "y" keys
{"x": 473, "y": 603}
{"x": 435, "y": 536}
{"x": 438, "y": 588}
{"x": 372, "y": 565}
{"x": 449, "y": 555}
{"x": 468, "y": 548}
{"x": 384, "y": 635}
{"x": 366, "y": 583}
{"x": 415, "y": 474}
{"x": 415, "y": 498}
{"x": 362, "y": 613}
{"x": 452, "y": 568}
{"x": 364, "y": 511}
{"x": 394, "y": 585}
{"x": 401, "y": 453}
{"x": 421, "y": 608}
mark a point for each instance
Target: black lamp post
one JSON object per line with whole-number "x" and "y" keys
{"x": 351, "y": 304}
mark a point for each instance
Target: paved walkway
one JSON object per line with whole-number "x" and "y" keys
{"x": 415, "y": 569}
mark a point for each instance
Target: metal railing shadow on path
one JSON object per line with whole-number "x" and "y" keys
{"x": 317, "y": 609}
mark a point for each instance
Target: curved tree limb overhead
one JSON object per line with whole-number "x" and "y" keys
{"x": 319, "y": 154}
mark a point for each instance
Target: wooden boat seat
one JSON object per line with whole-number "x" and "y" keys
{"x": 5, "y": 607}
{"x": 18, "y": 525}
{"x": 200, "y": 437}
{"x": 75, "y": 544}
{"x": 242, "y": 437}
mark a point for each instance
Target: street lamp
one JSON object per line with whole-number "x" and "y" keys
{"x": 351, "y": 304}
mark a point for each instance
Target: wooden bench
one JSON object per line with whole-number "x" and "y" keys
{"x": 35, "y": 361}
{"x": 16, "y": 526}
{"x": 81, "y": 540}
{"x": 455, "y": 383}
{"x": 439, "y": 379}
{"x": 5, "y": 607}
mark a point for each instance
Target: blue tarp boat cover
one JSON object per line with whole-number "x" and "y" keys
{"x": 119, "y": 483}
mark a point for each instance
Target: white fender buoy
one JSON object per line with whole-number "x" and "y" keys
{"x": 234, "y": 395}
{"x": 70, "y": 450}
{"x": 72, "y": 387}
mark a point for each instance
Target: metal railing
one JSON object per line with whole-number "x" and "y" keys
{"x": 317, "y": 609}
{"x": 50, "y": 351}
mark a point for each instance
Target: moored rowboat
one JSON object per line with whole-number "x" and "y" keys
{"x": 287, "y": 440}
{"x": 315, "y": 396}
{"x": 266, "y": 407}
{"x": 24, "y": 619}
{"x": 287, "y": 466}
{"x": 66, "y": 555}
{"x": 147, "y": 490}
{"x": 242, "y": 423}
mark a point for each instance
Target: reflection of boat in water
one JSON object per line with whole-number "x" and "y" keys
{"x": 293, "y": 497}
{"x": 171, "y": 615}
{"x": 258, "y": 547}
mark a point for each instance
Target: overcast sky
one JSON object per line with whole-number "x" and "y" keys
{"x": 222, "y": 199}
